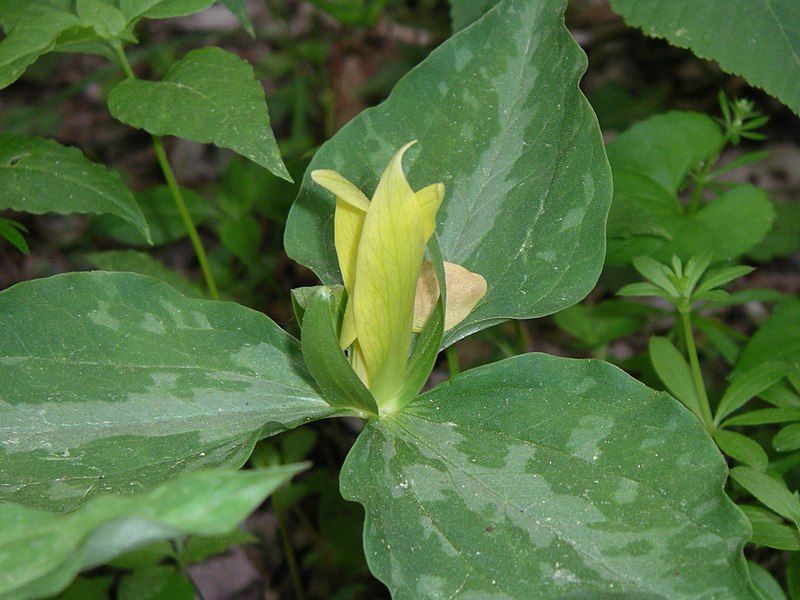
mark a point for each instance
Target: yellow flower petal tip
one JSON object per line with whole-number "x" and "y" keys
{"x": 464, "y": 290}
{"x": 341, "y": 188}
{"x": 380, "y": 244}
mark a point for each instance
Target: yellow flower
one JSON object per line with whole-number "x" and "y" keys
{"x": 380, "y": 245}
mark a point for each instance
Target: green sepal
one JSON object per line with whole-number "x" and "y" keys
{"x": 426, "y": 346}
{"x": 302, "y": 296}
{"x": 338, "y": 383}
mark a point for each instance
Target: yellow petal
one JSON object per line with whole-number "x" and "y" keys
{"x": 464, "y": 290}
{"x": 388, "y": 264}
{"x": 341, "y": 188}
{"x": 351, "y": 207}
{"x": 429, "y": 199}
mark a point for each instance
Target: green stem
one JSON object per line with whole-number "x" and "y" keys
{"x": 694, "y": 364}
{"x": 524, "y": 342}
{"x": 452, "y": 360}
{"x": 177, "y": 196}
{"x": 291, "y": 559}
{"x": 701, "y": 180}
{"x": 174, "y": 189}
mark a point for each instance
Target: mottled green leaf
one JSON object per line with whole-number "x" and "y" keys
{"x": 501, "y": 122}
{"x": 40, "y": 176}
{"x": 114, "y": 382}
{"x": 209, "y": 96}
{"x": 651, "y": 163}
{"x": 757, "y": 39}
{"x": 466, "y": 12}
{"x": 132, "y": 261}
{"x": 544, "y": 477}
{"x": 41, "y": 552}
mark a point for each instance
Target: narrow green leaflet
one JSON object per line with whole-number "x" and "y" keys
{"x": 209, "y": 96}
{"x": 770, "y": 530}
{"x": 40, "y": 176}
{"x": 133, "y": 261}
{"x": 757, "y": 39}
{"x": 545, "y": 477}
{"x": 651, "y": 163}
{"x": 114, "y": 382}
{"x": 501, "y": 122}
{"x": 41, "y": 552}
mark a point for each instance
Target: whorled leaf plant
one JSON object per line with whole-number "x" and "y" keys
{"x": 534, "y": 477}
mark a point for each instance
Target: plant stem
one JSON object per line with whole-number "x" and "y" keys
{"x": 452, "y": 360}
{"x": 524, "y": 342}
{"x": 291, "y": 559}
{"x": 174, "y": 189}
{"x": 177, "y": 195}
{"x": 694, "y": 363}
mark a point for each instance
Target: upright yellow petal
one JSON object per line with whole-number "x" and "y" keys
{"x": 388, "y": 265}
{"x": 351, "y": 207}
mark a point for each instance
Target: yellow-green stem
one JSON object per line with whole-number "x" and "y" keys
{"x": 694, "y": 364}
{"x": 175, "y": 190}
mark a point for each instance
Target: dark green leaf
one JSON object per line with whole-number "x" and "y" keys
{"x": 32, "y": 29}
{"x": 161, "y": 214}
{"x": 741, "y": 448}
{"x": 114, "y": 382}
{"x": 784, "y": 237}
{"x": 209, "y": 96}
{"x": 765, "y": 416}
{"x": 599, "y": 324}
{"x": 40, "y": 176}
{"x": 729, "y": 32}
{"x": 777, "y": 340}
{"x": 11, "y": 231}
{"x": 156, "y": 583}
{"x": 772, "y": 492}
{"x": 748, "y": 384}
{"x": 40, "y": 551}
{"x": 769, "y": 530}
{"x": 165, "y": 9}
{"x": 787, "y": 439}
{"x": 651, "y": 163}
{"x": 765, "y": 583}
{"x": 543, "y": 477}
{"x": 501, "y": 122}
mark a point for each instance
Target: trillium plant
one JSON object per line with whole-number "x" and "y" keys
{"x": 476, "y": 194}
